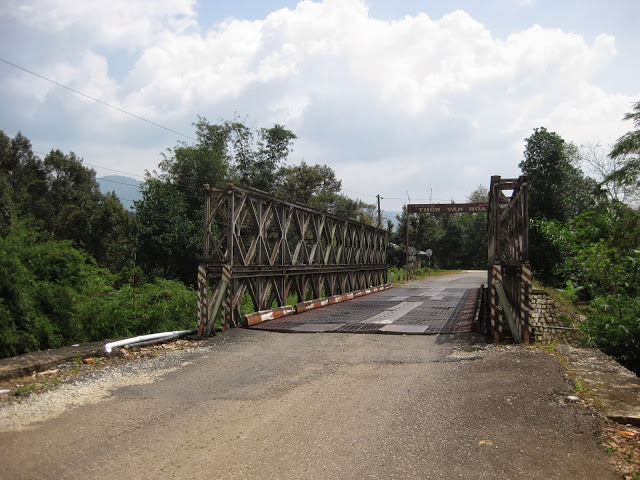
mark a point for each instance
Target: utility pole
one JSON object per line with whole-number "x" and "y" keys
{"x": 408, "y": 216}
{"x": 379, "y": 212}
{"x": 407, "y": 240}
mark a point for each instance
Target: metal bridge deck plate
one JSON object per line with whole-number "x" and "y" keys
{"x": 399, "y": 310}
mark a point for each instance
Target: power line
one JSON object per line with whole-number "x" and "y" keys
{"x": 150, "y": 122}
{"x": 112, "y": 170}
{"x": 121, "y": 183}
{"x": 383, "y": 197}
{"x": 96, "y": 99}
{"x": 194, "y": 193}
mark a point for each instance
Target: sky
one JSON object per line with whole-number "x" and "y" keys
{"x": 420, "y": 100}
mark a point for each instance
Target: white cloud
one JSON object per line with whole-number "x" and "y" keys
{"x": 391, "y": 105}
{"x": 116, "y": 23}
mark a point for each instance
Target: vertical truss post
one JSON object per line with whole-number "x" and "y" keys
{"x": 203, "y": 299}
{"x": 496, "y": 311}
{"x": 508, "y": 253}
{"x": 228, "y": 311}
{"x": 525, "y": 292}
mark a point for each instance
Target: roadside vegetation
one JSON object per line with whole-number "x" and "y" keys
{"x": 76, "y": 266}
{"x": 585, "y": 235}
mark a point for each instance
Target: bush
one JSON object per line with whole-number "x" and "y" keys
{"x": 164, "y": 305}
{"x": 40, "y": 282}
{"x": 52, "y": 294}
{"x": 614, "y": 327}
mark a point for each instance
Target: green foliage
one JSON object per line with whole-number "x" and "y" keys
{"x": 599, "y": 250}
{"x": 229, "y": 152}
{"x": 60, "y": 196}
{"x": 457, "y": 240}
{"x": 614, "y": 327}
{"x": 41, "y": 280}
{"x": 170, "y": 236}
{"x": 52, "y": 294}
{"x": 314, "y": 185}
{"x": 629, "y": 143}
{"x": 164, "y": 305}
{"x": 557, "y": 191}
{"x": 627, "y": 148}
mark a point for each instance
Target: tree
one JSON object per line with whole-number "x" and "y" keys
{"x": 629, "y": 143}
{"x": 170, "y": 214}
{"x": 357, "y": 210}
{"x": 557, "y": 191}
{"x": 208, "y": 161}
{"x": 627, "y": 148}
{"x": 479, "y": 195}
{"x": 169, "y": 235}
{"x": 313, "y": 185}
{"x": 61, "y": 196}
{"x": 42, "y": 281}
{"x": 274, "y": 148}
{"x": 606, "y": 171}
{"x": 25, "y": 177}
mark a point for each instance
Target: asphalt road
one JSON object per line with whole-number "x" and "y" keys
{"x": 265, "y": 405}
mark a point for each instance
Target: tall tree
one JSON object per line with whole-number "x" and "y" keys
{"x": 557, "y": 191}
{"x": 627, "y": 148}
{"x": 605, "y": 170}
{"x": 169, "y": 240}
{"x": 314, "y": 185}
{"x": 61, "y": 196}
{"x": 171, "y": 211}
{"x": 479, "y": 195}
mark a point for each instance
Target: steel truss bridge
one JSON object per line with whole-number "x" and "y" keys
{"x": 281, "y": 252}
{"x": 273, "y": 249}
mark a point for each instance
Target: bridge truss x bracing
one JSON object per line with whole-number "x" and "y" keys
{"x": 279, "y": 252}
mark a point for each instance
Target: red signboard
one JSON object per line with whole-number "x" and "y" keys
{"x": 447, "y": 207}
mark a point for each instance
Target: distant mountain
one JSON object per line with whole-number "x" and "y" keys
{"x": 391, "y": 215}
{"x": 127, "y": 189}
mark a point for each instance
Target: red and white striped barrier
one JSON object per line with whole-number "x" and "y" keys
{"x": 311, "y": 304}
{"x": 323, "y": 302}
{"x": 255, "y": 318}
{"x": 202, "y": 298}
{"x": 496, "y": 276}
{"x": 527, "y": 279}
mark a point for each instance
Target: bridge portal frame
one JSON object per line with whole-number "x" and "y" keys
{"x": 509, "y": 272}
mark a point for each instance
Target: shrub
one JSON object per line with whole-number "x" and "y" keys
{"x": 52, "y": 294}
{"x": 164, "y": 305}
{"x": 614, "y": 327}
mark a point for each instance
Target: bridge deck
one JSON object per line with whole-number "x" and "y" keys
{"x": 431, "y": 307}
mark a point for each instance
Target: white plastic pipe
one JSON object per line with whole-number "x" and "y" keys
{"x": 155, "y": 341}
{"x": 142, "y": 338}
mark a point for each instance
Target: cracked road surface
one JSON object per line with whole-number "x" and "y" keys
{"x": 266, "y": 405}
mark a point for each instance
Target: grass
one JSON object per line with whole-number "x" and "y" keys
{"x": 398, "y": 276}
{"x": 26, "y": 390}
{"x": 580, "y": 388}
